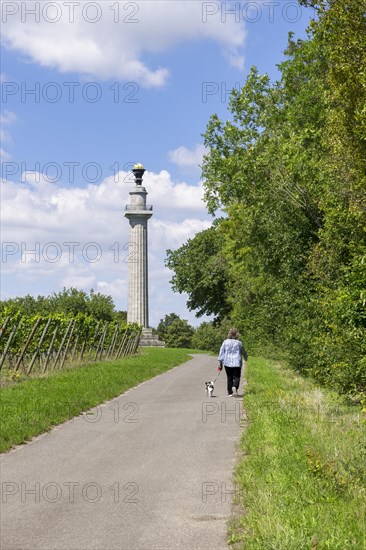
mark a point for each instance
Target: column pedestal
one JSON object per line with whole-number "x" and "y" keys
{"x": 149, "y": 340}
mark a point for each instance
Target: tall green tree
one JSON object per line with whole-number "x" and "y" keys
{"x": 175, "y": 332}
{"x": 288, "y": 169}
{"x": 164, "y": 324}
{"x": 101, "y": 306}
{"x": 209, "y": 336}
{"x": 200, "y": 270}
{"x": 179, "y": 334}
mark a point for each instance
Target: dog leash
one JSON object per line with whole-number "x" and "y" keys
{"x": 217, "y": 376}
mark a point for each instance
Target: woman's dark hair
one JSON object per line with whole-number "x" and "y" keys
{"x": 233, "y": 333}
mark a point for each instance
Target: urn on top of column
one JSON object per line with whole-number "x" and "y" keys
{"x": 138, "y": 171}
{"x": 138, "y": 194}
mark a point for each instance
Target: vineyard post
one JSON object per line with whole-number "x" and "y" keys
{"x": 50, "y": 349}
{"x": 84, "y": 343}
{"x": 133, "y": 343}
{"x": 111, "y": 347}
{"x": 10, "y": 340}
{"x": 29, "y": 339}
{"x": 120, "y": 348}
{"x": 128, "y": 347}
{"x": 77, "y": 339}
{"x": 95, "y": 337}
{"x": 40, "y": 342}
{"x": 101, "y": 342}
{"x": 132, "y": 348}
{"x": 68, "y": 343}
{"x": 2, "y": 330}
{"x": 127, "y": 350}
{"x": 115, "y": 341}
{"x": 125, "y": 347}
{"x": 137, "y": 340}
{"x": 62, "y": 344}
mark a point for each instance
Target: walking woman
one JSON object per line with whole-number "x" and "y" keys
{"x": 231, "y": 357}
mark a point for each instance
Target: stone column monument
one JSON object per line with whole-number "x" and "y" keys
{"x": 137, "y": 213}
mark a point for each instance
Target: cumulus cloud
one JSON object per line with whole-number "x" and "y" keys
{"x": 55, "y": 236}
{"x": 43, "y": 209}
{"x": 174, "y": 234}
{"x": 174, "y": 200}
{"x": 187, "y": 158}
{"x": 79, "y": 281}
{"x": 109, "y": 39}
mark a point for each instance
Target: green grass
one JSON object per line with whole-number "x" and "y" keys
{"x": 302, "y": 475}
{"x": 31, "y": 407}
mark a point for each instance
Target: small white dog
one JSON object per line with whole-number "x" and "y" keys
{"x": 210, "y": 386}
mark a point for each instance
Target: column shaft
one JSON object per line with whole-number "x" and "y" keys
{"x": 138, "y": 272}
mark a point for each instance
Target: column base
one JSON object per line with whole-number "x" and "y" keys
{"x": 149, "y": 340}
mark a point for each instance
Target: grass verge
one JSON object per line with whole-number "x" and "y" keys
{"x": 302, "y": 477}
{"x": 31, "y": 407}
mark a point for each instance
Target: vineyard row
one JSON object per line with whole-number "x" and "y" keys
{"x": 29, "y": 343}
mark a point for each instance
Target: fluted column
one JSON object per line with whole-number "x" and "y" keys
{"x": 137, "y": 272}
{"x": 138, "y": 213}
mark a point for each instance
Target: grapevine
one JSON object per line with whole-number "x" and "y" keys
{"x": 43, "y": 343}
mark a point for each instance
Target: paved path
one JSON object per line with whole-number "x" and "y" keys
{"x": 151, "y": 469}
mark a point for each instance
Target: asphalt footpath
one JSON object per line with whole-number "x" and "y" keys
{"x": 151, "y": 469}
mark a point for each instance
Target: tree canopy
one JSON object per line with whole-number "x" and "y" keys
{"x": 70, "y": 301}
{"x": 200, "y": 269}
{"x": 288, "y": 168}
{"x": 175, "y": 332}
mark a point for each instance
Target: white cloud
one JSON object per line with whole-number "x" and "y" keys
{"x": 173, "y": 234}
{"x": 187, "y": 158}
{"x": 78, "y": 281}
{"x": 92, "y": 213}
{"x": 114, "y": 45}
{"x": 4, "y": 135}
{"x": 56, "y": 236}
{"x": 113, "y": 288}
{"x": 4, "y": 155}
{"x": 6, "y": 119}
{"x": 178, "y": 199}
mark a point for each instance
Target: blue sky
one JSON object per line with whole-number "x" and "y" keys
{"x": 116, "y": 83}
